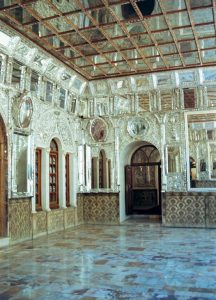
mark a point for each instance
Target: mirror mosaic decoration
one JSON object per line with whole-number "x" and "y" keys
{"x": 174, "y": 159}
{"x": 22, "y": 172}
{"x": 152, "y": 98}
{"x": 137, "y": 127}
{"x": 22, "y": 111}
{"x": 201, "y": 128}
{"x": 38, "y": 60}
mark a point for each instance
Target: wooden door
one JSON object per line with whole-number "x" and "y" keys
{"x": 128, "y": 189}
{"x": 143, "y": 182}
{"x": 146, "y": 189}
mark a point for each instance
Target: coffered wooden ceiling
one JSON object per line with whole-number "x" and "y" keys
{"x": 110, "y": 38}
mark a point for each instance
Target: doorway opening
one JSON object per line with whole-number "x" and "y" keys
{"x": 143, "y": 182}
{"x": 3, "y": 180}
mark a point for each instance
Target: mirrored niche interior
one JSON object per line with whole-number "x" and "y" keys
{"x": 202, "y": 149}
{"x": 173, "y": 155}
{"x": 21, "y": 170}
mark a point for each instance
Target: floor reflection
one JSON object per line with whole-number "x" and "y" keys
{"x": 136, "y": 260}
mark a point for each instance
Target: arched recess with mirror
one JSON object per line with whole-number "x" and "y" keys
{"x": 101, "y": 171}
{"x": 143, "y": 182}
{"x": 3, "y": 179}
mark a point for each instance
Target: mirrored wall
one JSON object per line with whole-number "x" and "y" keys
{"x": 201, "y": 146}
{"x": 22, "y": 172}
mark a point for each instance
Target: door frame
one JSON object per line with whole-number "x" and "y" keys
{"x": 129, "y": 189}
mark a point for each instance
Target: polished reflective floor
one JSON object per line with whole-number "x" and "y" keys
{"x": 136, "y": 260}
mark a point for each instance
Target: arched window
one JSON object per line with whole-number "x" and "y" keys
{"x": 53, "y": 175}
{"x": 146, "y": 154}
{"x": 38, "y": 178}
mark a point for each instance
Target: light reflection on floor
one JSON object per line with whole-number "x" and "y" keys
{"x": 136, "y": 260}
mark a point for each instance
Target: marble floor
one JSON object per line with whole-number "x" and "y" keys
{"x": 136, "y": 260}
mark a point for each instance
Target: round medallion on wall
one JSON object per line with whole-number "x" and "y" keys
{"x": 137, "y": 127}
{"x": 98, "y": 129}
{"x": 22, "y": 111}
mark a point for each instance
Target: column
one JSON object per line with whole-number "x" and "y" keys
{"x": 181, "y": 99}
{"x": 176, "y": 99}
{"x": 205, "y": 96}
{"x": 81, "y": 168}
{"x": 154, "y": 97}
{"x": 105, "y": 172}
{"x": 9, "y": 69}
{"x": 117, "y": 160}
{"x": 62, "y": 183}
{"x": 136, "y": 103}
{"x": 158, "y": 100}
{"x": 33, "y": 198}
{"x": 110, "y": 174}
{"x": 95, "y": 106}
{"x": 133, "y": 103}
{"x": 73, "y": 175}
{"x": 40, "y": 91}
{"x": 45, "y": 179}
{"x": 23, "y": 79}
{"x": 95, "y": 173}
{"x": 200, "y": 96}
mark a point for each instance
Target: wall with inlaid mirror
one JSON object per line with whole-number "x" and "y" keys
{"x": 173, "y": 158}
{"x": 21, "y": 165}
{"x": 201, "y": 139}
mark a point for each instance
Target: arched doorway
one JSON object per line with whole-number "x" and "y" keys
{"x": 143, "y": 182}
{"x": 3, "y": 180}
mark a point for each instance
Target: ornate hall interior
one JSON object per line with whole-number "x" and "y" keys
{"x": 108, "y": 149}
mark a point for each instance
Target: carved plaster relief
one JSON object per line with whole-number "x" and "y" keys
{"x": 151, "y": 134}
{"x": 173, "y": 127}
{"x": 52, "y": 123}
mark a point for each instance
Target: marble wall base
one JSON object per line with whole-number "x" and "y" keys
{"x": 189, "y": 209}
{"x": 24, "y": 225}
{"x": 178, "y": 210}
{"x": 20, "y": 219}
{"x": 55, "y": 220}
{"x": 211, "y": 211}
{"x": 69, "y": 217}
{"x": 79, "y": 217}
{"x": 101, "y": 208}
{"x": 39, "y": 223}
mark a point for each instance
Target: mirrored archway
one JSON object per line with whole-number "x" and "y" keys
{"x": 143, "y": 182}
